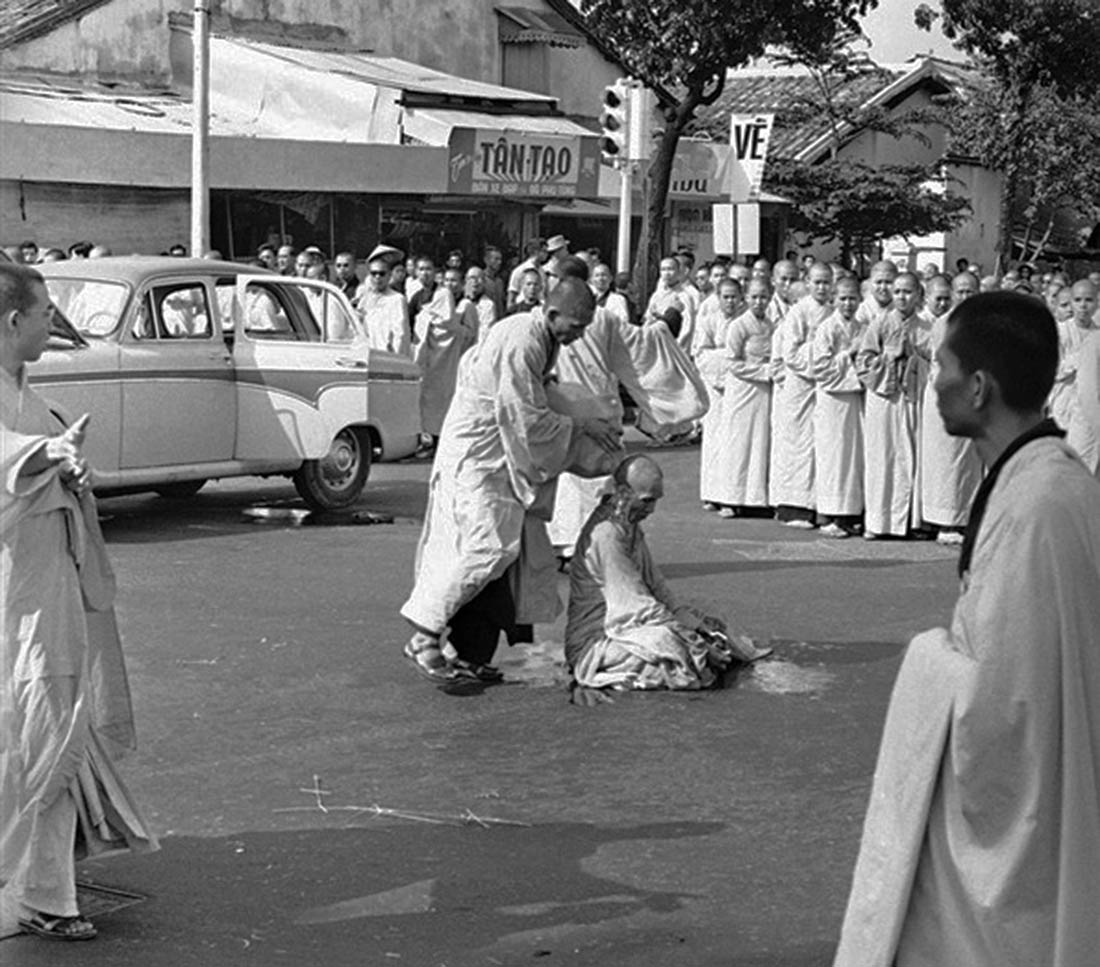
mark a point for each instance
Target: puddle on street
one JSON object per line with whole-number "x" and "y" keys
{"x": 795, "y": 667}
{"x": 303, "y": 517}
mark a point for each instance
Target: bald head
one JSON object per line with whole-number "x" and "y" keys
{"x": 569, "y": 309}
{"x": 639, "y": 471}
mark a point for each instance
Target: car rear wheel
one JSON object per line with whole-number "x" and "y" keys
{"x": 181, "y": 489}
{"x": 337, "y": 479}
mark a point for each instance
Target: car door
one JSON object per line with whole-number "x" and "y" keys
{"x": 301, "y": 362}
{"x": 179, "y": 405}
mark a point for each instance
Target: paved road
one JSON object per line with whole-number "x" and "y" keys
{"x": 688, "y": 830}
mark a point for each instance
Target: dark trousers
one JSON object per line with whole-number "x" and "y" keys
{"x": 476, "y": 626}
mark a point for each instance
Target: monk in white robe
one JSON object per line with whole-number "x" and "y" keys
{"x": 838, "y": 416}
{"x": 384, "y": 312}
{"x": 784, "y": 276}
{"x": 982, "y": 834}
{"x": 1061, "y": 401}
{"x": 949, "y": 470}
{"x": 880, "y": 295}
{"x": 478, "y": 310}
{"x": 671, "y": 293}
{"x": 625, "y": 629}
{"x": 443, "y": 334}
{"x": 892, "y": 363}
{"x": 64, "y": 701}
{"x": 792, "y": 488}
{"x": 484, "y": 563}
{"x": 1080, "y": 430}
{"x": 745, "y": 428}
{"x": 712, "y": 358}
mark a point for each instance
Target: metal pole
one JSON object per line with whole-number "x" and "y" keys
{"x": 626, "y": 188}
{"x": 200, "y": 131}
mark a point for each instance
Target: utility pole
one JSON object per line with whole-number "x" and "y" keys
{"x": 200, "y": 130}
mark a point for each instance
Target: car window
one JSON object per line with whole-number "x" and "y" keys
{"x": 93, "y": 306}
{"x": 334, "y": 322}
{"x": 179, "y": 311}
{"x": 280, "y": 313}
{"x": 225, "y": 292}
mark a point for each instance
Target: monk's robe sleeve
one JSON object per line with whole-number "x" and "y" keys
{"x": 739, "y": 364}
{"x": 537, "y": 442}
{"x": 657, "y": 373}
{"x": 876, "y": 368}
{"x": 833, "y": 366}
{"x": 709, "y": 356}
{"x": 1088, "y": 381}
{"x": 797, "y": 344}
{"x": 629, "y": 598}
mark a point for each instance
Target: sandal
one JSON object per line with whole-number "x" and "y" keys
{"x": 471, "y": 671}
{"x": 58, "y": 928}
{"x": 427, "y": 657}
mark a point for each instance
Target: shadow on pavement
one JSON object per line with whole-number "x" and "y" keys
{"x": 411, "y": 893}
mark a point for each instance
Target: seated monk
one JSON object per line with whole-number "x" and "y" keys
{"x": 625, "y": 629}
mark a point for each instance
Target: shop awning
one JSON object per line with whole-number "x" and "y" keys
{"x": 434, "y": 125}
{"x": 521, "y": 25}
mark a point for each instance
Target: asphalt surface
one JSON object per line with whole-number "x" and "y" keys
{"x": 484, "y": 826}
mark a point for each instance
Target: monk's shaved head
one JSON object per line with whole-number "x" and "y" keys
{"x": 638, "y": 470}
{"x": 573, "y": 297}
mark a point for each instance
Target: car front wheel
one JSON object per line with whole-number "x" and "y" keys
{"x": 337, "y": 479}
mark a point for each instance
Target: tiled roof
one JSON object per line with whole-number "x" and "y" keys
{"x": 22, "y": 20}
{"x": 779, "y": 90}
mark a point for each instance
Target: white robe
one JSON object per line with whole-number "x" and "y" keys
{"x": 838, "y": 418}
{"x": 64, "y": 700}
{"x": 674, "y": 297}
{"x": 981, "y": 838}
{"x": 949, "y": 468}
{"x": 793, "y": 482}
{"x": 625, "y": 629}
{"x": 745, "y": 427}
{"x": 712, "y": 359}
{"x": 442, "y": 337}
{"x": 500, "y": 449}
{"x": 660, "y": 379}
{"x": 891, "y": 348}
{"x": 777, "y": 309}
{"x": 386, "y": 317}
{"x": 1086, "y": 426}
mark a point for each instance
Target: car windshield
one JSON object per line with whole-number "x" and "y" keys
{"x": 93, "y": 306}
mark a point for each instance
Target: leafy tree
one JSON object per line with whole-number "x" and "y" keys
{"x": 847, "y": 199}
{"x": 1025, "y": 47}
{"x": 682, "y": 49}
{"x": 1059, "y": 163}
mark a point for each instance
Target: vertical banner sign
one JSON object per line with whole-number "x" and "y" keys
{"x": 725, "y": 230}
{"x": 749, "y": 137}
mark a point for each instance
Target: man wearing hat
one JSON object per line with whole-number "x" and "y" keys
{"x": 558, "y": 248}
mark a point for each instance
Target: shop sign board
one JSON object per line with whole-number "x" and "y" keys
{"x": 521, "y": 164}
{"x": 701, "y": 169}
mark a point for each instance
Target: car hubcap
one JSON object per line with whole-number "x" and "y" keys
{"x": 342, "y": 463}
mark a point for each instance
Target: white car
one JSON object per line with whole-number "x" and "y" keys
{"x": 195, "y": 369}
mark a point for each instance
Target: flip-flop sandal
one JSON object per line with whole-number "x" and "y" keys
{"x": 58, "y": 928}
{"x": 489, "y": 674}
{"x": 435, "y": 671}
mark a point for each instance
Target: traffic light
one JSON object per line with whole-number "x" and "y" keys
{"x": 615, "y": 121}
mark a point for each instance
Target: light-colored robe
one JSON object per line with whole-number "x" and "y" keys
{"x": 777, "y": 309}
{"x": 500, "y": 449}
{"x": 892, "y": 363}
{"x": 660, "y": 379}
{"x": 838, "y": 418}
{"x": 674, "y": 297}
{"x": 442, "y": 336}
{"x": 1082, "y": 430}
{"x": 625, "y": 628}
{"x": 712, "y": 360}
{"x": 745, "y": 422}
{"x": 64, "y": 699}
{"x": 478, "y": 315}
{"x": 386, "y": 317}
{"x": 949, "y": 469}
{"x": 793, "y": 483}
{"x": 982, "y": 834}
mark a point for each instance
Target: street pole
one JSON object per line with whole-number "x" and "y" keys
{"x": 626, "y": 188}
{"x": 200, "y": 131}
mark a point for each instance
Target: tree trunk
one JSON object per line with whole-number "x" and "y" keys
{"x": 651, "y": 245}
{"x": 1017, "y": 132}
{"x": 1041, "y": 247}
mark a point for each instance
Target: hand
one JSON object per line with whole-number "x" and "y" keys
{"x": 588, "y": 697}
{"x": 603, "y": 432}
{"x": 64, "y": 452}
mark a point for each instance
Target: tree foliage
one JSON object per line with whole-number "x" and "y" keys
{"x": 847, "y": 199}
{"x": 1028, "y": 49}
{"x": 682, "y": 49}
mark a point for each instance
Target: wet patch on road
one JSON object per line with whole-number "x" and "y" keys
{"x": 304, "y": 517}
